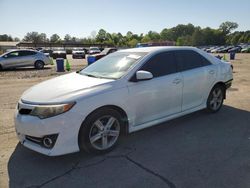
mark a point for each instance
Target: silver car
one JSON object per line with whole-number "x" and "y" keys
{"x": 22, "y": 58}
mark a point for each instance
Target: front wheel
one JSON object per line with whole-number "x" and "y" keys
{"x": 215, "y": 99}
{"x": 100, "y": 131}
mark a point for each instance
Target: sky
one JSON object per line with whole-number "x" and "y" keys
{"x": 80, "y": 17}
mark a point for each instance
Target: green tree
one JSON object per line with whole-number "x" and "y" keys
{"x": 32, "y": 37}
{"x": 166, "y": 35}
{"x": 5, "y": 37}
{"x": 132, "y": 43}
{"x": 101, "y": 36}
{"x": 145, "y": 39}
{"x": 67, "y": 38}
{"x": 228, "y": 27}
{"x": 55, "y": 38}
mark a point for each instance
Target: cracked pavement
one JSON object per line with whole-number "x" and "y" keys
{"x": 197, "y": 150}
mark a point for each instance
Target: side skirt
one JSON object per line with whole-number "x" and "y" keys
{"x": 167, "y": 118}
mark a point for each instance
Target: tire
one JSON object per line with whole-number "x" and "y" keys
{"x": 1, "y": 68}
{"x": 39, "y": 64}
{"x": 215, "y": 99}
{"x": 100, "y": 132}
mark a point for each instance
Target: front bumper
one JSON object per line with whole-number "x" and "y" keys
{"x": 78, "y": 55}
{"x": 66, "y": 126}
{"x": 228, "y": 83}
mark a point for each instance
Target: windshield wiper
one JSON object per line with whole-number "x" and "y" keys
{"x": 90, "y": 75}
{"x": 94, "y": 76}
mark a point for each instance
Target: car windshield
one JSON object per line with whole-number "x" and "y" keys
{"x": 113, "y": 66}
{"x": 94, "y": 49}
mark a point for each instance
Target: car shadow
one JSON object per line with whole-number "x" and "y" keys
{"x": 27, "y": 168}
{"x": 24, "y": 69}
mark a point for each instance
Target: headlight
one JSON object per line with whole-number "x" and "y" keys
{"x": 47, "y": 111}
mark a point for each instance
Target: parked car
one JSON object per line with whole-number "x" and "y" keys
{"x": 125, "y": 91}
{"x": 210, "y": 49}
{"x": 216, "y": 50}
{"x": 236, "y": 49}
{"x": 94, "y": 50}
{"x": 225, "y": 50}
{"x": 95, "y": 57}
{"x": 59, "y": 53}
{"x": 47, "y": 52}
{"x": 246, "y": 50}
{"x": 78, "y": 53}
{"x": 22, "y": 58}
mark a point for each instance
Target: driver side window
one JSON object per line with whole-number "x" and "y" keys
{"x": 161, "y": 64}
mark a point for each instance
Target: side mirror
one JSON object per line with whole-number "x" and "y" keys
{"x": 143, "y": 75}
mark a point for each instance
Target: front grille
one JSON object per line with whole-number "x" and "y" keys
{"x": 34, "y": 139}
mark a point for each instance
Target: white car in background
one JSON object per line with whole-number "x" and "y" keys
{"x": 78, "y": 53}
{"x": 94, "y": 50}
{"x": 125, "y": 91}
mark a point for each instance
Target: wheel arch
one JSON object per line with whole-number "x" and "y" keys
{"x": 223, "y": 85}
{"x": 116, "y": 108}
{"x": 39, "y": 60}
{"x": 124, "y": 129}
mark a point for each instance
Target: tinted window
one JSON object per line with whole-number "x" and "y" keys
{"x": 205, "y": 62}
{"x": 161, "y": 64}
{"x": 188, "y": 59}
{"x": 27, "y": 53}
{"x": 12, "y": 54}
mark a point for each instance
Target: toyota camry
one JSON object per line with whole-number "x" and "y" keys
{"x": 126, "y": 91}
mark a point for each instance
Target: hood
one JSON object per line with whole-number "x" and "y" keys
{"x": 64, "y": 88}
{"x": 59, "y": 52}
{"x": 78, "y": 51}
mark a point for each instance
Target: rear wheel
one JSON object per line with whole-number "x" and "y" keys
{"x": 39, "y": 64}
{"x": 215, "y": 99}
{"x": 100, "y": 131}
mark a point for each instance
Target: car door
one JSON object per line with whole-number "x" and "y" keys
{"x": 27, "y": 58}
{"x": 198, "y": 74}
{"x": 159, "y": 97}
{"x": 12, "y": 59}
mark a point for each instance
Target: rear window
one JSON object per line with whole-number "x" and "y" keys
{"x": 189, "y": 59}
{"x": 27, "y": 53}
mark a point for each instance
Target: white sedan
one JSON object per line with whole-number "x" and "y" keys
{"x": 123, "y": 92}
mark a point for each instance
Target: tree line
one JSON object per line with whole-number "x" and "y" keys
{"x": 188, "y": 35}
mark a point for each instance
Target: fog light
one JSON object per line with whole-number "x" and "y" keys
{"x": 49, "y": 140}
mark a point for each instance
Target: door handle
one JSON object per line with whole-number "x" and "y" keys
{"x": 177, "y": 81}
{"x": 211, "y": 72}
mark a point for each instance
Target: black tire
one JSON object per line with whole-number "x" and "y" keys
{"x": 215, "y": 99}
{"x": 89, "y": 126}
{"x": 39, "y": 64}
{"x": 1, "y": 68}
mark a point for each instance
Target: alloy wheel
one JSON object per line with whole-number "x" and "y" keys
{"x": 216, "y": 99}
{"x": 104, "y": 132}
